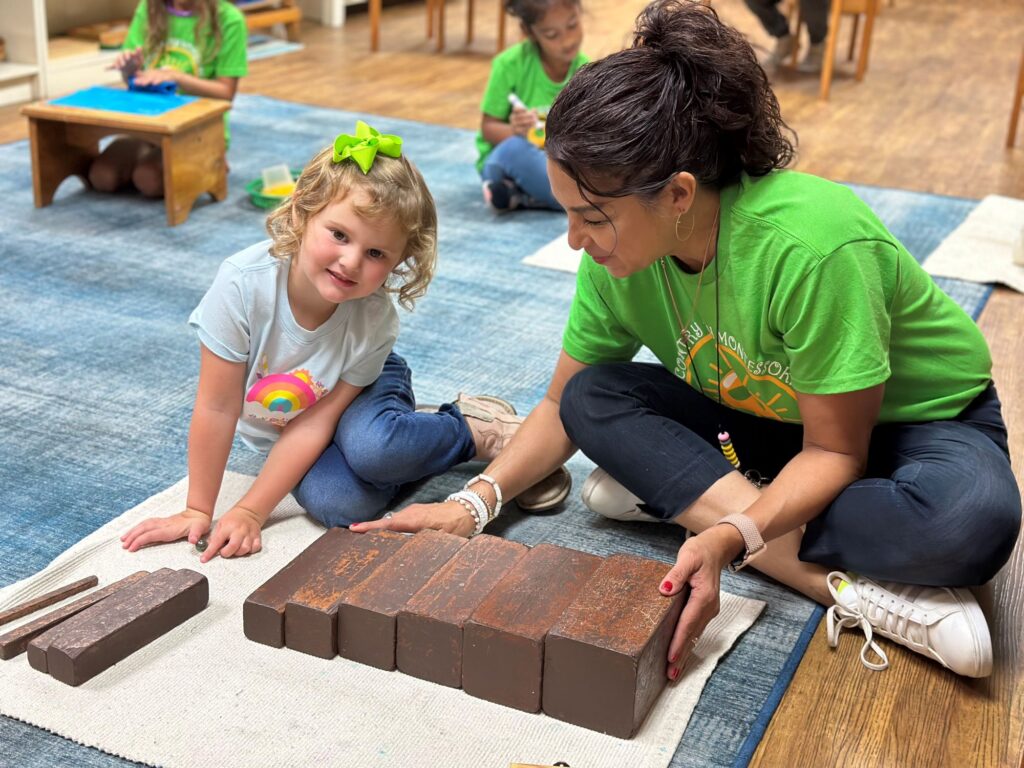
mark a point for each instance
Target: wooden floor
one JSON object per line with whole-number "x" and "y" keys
{"x": 931, "y": 115}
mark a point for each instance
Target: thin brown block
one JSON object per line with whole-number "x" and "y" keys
{"x": 503, "y": 654}
{"x": 311, "y": 615}
{"x": 430, "y": 626}
{"x": 605, "y": 658}
{"x": 113, "y": 629}
{"x": 14, "y": 642}
{"x": 54, "y": 596}
{"x": 367, "y": 615}
{"x": 263, "y": 610}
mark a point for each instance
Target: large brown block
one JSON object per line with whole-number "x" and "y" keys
{"x": 430, "y": 626}
{"x": 54, "y": 596}
{"x": 311, "y": 614}
{"x": 263, "y": 610}
{"x": 14, "y": 642}
{"x": 367, "y": 616}
{"x": 503, "y": 647}
{"x": 605, "y": 658}
{"x": 116, "y": 627}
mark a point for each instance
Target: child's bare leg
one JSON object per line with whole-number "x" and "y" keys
{"x": 148, "y": 176}
{"x": 113, "y": 168}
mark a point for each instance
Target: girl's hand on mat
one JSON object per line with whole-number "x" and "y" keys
{"x": 699, "y": 564}
{"x": 157, "y": 76}
{"x": 522, "y": 120}
{"x": 237, "y": 534}
{"x": 190, "y": 524}
{"x": 129, "y": 62}
{"x": 447, "y": 516}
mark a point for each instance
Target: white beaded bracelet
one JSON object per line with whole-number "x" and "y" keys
{"x": 497, "y": 492}
{"x": 479, "y": 507}
{"x": 469, "y": 508}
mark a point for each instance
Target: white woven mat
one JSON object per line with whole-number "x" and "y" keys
{"x": 981, "y": 249}
{"x": 204, "y": 695}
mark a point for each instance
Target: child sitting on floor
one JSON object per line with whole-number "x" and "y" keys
{"x": 524, "y": 82}
{"x": 296, "y": 340}
{"x": 199, "y": 46}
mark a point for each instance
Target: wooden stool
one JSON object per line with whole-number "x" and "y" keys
{"x": 1011, "y": 136}
{"x": 65, "y": 141}
{"x": 260, "y": 14}
{"x": 436, "y": 8}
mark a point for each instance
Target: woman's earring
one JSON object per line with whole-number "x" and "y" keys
{"x": 693, "y": 222}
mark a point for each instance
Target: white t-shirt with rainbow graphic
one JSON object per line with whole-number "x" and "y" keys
{"x": 245, "y": 317}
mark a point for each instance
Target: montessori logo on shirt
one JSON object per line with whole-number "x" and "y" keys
{"x": 759, "y": 387}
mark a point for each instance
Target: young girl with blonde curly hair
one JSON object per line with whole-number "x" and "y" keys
{"x": 296, "y": 337}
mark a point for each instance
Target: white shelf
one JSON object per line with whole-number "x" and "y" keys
{"x": 11, "y": 72}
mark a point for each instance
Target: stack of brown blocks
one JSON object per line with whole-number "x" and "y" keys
{"x": 83, "y": 638}
{"x": 582, "y": 637}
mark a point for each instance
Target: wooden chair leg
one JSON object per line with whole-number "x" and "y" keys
{"x": 794, "y": 14}
{"x": 501, "y": 25}
{"x": 853, "y": 37}
{"x": 469, "y": 22}
{"x": 835, "y": 16}
{"x": 1011, "y": 136}
{"x": 430, "y": 19}
{"x": 440, "y": 25}
{"x": 865, "y": 42}
{"x": 375, "y": 24}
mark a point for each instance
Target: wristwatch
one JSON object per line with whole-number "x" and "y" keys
{"x": 752, "y": 542}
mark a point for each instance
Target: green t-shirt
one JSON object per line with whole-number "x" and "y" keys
{"x": 519, "y": 70}
{"x": 815, "y": 296}
{"x": 195, "y": 57}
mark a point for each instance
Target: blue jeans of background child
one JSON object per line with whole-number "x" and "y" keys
{"x": 526, "y": 166}
{"x": 938, "y": 505}
{"x": 380, "y": 444}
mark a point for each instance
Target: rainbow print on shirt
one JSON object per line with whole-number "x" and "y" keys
{"x": 280, "y": 397}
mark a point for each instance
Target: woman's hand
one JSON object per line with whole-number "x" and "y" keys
{"x": 447, "y": 516}
{"x": 699, "y": 564}
{"x": 190, "y": 524}
{"x": 237, "y": 534}
{"x": 522, "y": 120}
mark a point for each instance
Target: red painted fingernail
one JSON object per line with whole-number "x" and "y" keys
{"x": 674, "y": 673}
{"x": 673, "y": 658}
{"x": 667, "y": 586}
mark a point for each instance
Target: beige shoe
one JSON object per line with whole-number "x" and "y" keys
{"x": 547, "y": 494}
{"x": 813, "y": 61}
{"x": 784, "y": 47}
{"x": 492, "y": 422}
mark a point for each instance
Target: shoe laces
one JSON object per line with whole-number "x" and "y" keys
{"x": 839, "y": 617}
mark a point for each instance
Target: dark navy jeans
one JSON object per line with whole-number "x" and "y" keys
{"x": 381, "y": 444}
{"x": 938, "y": 505}
{"x": 526, "y": 166}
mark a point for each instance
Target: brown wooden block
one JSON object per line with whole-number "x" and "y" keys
{"x": 367, "y": 616}
{"x": 605, "y": 659}
{"x": 263, "y": 610}
{"x": 54, "y": 596}
{"x": 14, "y": 642}
{"x": 503, "y": 647}
{"x": 311, "y": 615}
{"x": 116, "y": 627}
{"x": 429, "y": 644}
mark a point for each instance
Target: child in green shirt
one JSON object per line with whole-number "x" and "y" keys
{"x": 524, "y": 82}
{"x": 197, "y": 44}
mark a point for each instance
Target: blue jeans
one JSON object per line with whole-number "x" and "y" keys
{"x": 380, "y": 444}
{"x": 526, "y": 166}
{"x": 938, "y": 505}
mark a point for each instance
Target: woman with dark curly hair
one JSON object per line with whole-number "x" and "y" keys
{"x": 815, "y": 390}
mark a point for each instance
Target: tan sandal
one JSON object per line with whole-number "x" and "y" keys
{"x": 546, "y": 494}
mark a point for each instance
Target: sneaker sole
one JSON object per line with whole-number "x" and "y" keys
{"x": 983, "y": 640}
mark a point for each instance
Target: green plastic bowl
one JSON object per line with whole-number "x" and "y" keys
{"x": 260, "y": 200}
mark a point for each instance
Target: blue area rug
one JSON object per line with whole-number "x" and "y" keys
{"x": 264, "y": 46}
{"x": 99, "y": 373}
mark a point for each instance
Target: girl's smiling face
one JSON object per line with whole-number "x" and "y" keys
{"x": 559, "y": 34}
{"x": 344, "y": 255}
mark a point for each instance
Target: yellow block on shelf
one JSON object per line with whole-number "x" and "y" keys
{"x": 64, "y": 47}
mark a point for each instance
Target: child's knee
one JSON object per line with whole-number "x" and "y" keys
{"x": 148, "y": 178}
{"x": 335, "y": 507}
{"x": 104, "y": 176}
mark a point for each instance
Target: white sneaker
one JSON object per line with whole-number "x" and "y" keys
{"x": 603, "y": 494}
{"x": 944, "y": 624}
{"x": 784, "y": 47}
{"x": 813, "y": 61}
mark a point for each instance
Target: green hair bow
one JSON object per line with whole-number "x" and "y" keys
{"x": 364, "y": 146}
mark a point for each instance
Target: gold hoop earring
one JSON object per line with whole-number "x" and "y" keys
{"x": 693, "y": 223}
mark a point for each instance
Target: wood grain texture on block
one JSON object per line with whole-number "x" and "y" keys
{"x": 54, "y": 596}
{"x": 14, "y": 642}
{"x": 367, "y": 616}
{"x": 605, "y": 659}
{"x": 263, "y": 610}
{"x": 429, "y": 642}
{"x": 311, "y": 615}
{"x": 118, "y": 626}
{"x": 503, "y": 644}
